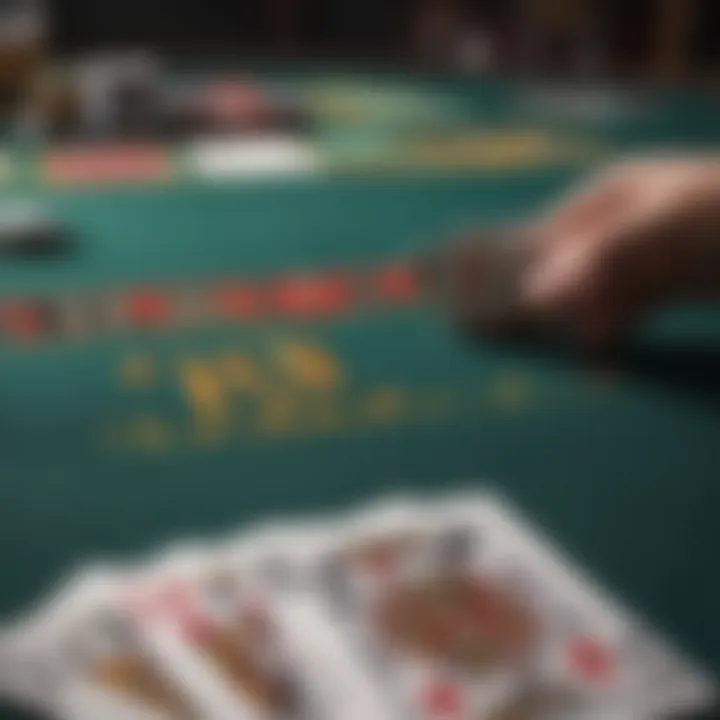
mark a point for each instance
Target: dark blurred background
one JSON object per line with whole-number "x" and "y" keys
{"x": 63, "y": 61}
{"x": 665, "y": 39}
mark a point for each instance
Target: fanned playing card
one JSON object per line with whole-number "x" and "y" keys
{"x": 451, "y": 608}
{"x": 214, "y": 625}
{"x": 231, "y": 626}
{"x": 460, "y": 610}
{"x": 599, "y": 658}
{"x": 83, "y": 657}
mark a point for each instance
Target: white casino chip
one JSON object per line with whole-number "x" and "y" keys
{"x": 19, "y": 217}
{"x": 26, "y": 229}
{"x": 254, "y": 158}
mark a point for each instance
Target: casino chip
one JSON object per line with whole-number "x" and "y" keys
{"x": 398, "y": 284}
{"x": 148, "y": 308}
{"x": 236, "y": 105}
{"x": 22, "y": 321}
{"x": 27, "y": 232}
{"x": 240, "y": 106}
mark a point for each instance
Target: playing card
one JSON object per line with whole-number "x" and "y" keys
{"x": 591, "y": 649}
{"x": 397, "y": 586}
{"x": 235, "y": 626}
{"x": 82, "y": 657}
{"x": 413, "y": 608}
{"x": 24, "y": 675}
{"x": 200, "y": 631}
{"x": 460, "y": 610}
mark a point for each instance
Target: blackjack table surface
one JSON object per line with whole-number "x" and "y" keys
{"x": 225, "y": 347}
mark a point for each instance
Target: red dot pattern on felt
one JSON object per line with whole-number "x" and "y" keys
{"x": 444, "y": 700}
{"x": 313, "y": 296}
{"x": 21, "y": 320}
{"x": 238, "y": 301}
{"x": 398, "y": 283}
{"x": 148, "y": 308}
{"x": 591, "y": 659}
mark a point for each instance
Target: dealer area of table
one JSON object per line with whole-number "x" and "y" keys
{"x": 114, "y": 443}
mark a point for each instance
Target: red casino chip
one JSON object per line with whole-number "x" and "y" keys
{"x": 398, "y": 284}
{"x": 148, "y": 308}
{"x": 237, "y": 301}
{"x": 23, "y": 321}
{"x": 238, "y": 104}
{"x": 112, "y": 164}
{"x": 336, "y": 293}
{"x": 313, "y": 297}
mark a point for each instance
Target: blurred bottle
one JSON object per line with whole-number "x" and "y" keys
{"x": 564, "y": 38}
{"x": 119, "y": 94}
{"x": 23, "y": 49}
{"x": 448, "y": 34}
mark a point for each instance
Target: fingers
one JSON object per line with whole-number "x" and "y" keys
{"x": 581, "y": 270}
{"x": 570, "y": 288}
{"x": 595, "y": 286}
{"x": 640, "y": 235}
{"x": 602, "y": 201}
{"x": 560, "y": 274}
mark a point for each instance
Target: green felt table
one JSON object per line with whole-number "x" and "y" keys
{"x": 112, "y": 446}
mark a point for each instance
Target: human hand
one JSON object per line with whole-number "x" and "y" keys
{"x": 640, "y": 235}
